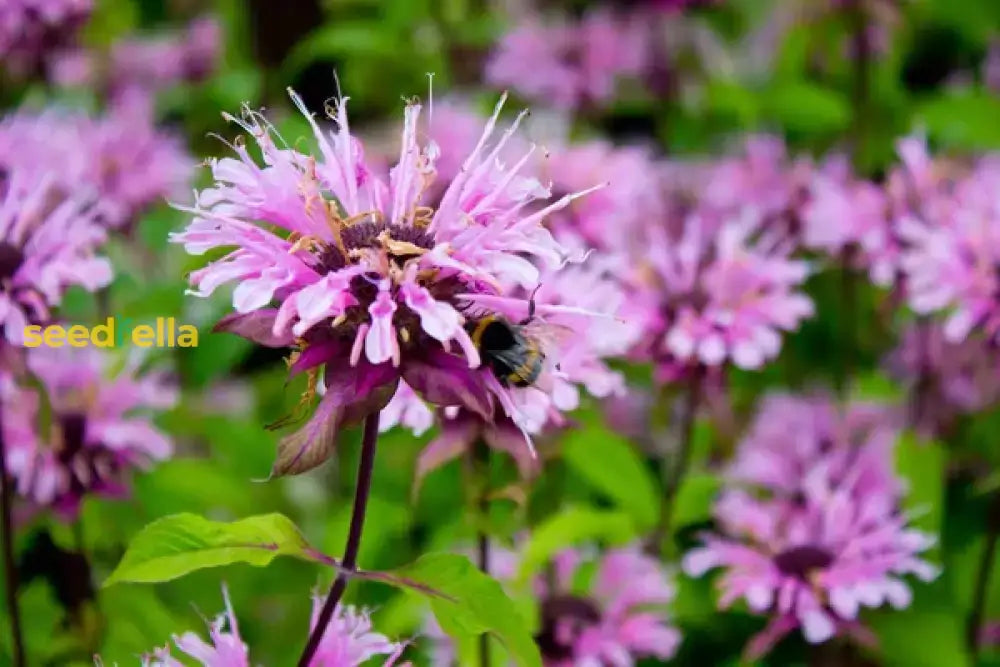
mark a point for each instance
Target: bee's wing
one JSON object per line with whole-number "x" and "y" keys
{"x": 547, "y": 335}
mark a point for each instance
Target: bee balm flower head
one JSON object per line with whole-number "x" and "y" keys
{"x": 364, "y": 279}
{"x": 819, "y": 534}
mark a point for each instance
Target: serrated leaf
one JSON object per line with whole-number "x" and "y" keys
{"x": 573, "y": 526}
{"x": 611, "y": 465}
{"x": 475, "y": 604}
{"x": 181, "y": 543}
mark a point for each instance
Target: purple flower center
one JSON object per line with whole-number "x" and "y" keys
{"x": 366, "y": 235}
{"x": 87, "y": 466}
{"x": 73, "y": 427}
{"x": 802, "y": 560}
{"x": 564, "y": 617}
{"x": 11, "y": 258}
{"x": 373, "y": 234}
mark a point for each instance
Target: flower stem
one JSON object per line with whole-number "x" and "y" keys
{"x": 675, "y": 465}
{"x": 484, "y": 565}
{"x": 479, "y": 455}
{"x": 849, "y": 303}
{"x": 350, "y": 560}
{"x": 862, "y": 54}
{"x": 983, "y": 576}
{"x": 9, "y": 568}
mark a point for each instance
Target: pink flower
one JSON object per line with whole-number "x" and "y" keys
{"x": 632, "y": 198}
{"x": 121, "y": 157}
{"x": 953, "y": 378}
{"x": 717, "y": 293}
{"x": 843, "y": 213}
{"x": 96, "y": 433}
{"x": 951, "y": 256}
{"x": 367, "y": 281}
{"x": 570, "y": 65}
{"x": 154, "y": 63}
{"x": 761, "y": 177}
{"x": 616, "y": 618}
{"x": 48, "y": 239}
{"x": 30, "y": 28}
{"x": 347, "y": 642}
{"x": 819, "y": 533}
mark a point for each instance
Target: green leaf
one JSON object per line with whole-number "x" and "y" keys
{"x": 807, "y": 107}
{"x": 965, "y": 120}
{"x": 694, "y": 498}
{"x": 876, "y": 386}
{"x": 475, "y": 604}
{"x": 573, "y": 526}
{"x": 611, "y": 465}
{"x": 181, "y": 543}
{"x": 922, "y": 464}
{"x": 930, "y": 633}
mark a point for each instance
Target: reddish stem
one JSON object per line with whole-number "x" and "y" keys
{"x": 350, "y": 560}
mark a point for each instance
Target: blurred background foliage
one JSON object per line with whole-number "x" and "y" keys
{"x": 380, "y": 51}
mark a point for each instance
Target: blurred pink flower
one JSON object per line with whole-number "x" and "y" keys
{"x": 30, "y": 29}
{"x": 121, "y": 157}
{"x": 708, "y": 293}
{"x": 952, "y": 252}
{"x": 954, "y": 378}
{"x": 844, "y": 212}
{"x": 159, "y": 62}
{"x": 632, "y": 198}
{"x": 571, "y": 65}
{"x": 97, "y": 432}
{"x": 819, "y": 533}
{"x": 793, "y": 437}
{"x": 760, "y": 177}
{"x": 48, "y": 238}
{"x": 371, "y": 284}
{"x": 617, "y": 618}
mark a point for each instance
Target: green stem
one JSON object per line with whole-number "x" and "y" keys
{"x": 675, "y": 464}
{"x": 983, "y": 577}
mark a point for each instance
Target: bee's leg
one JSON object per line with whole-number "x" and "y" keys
{"x": 531, "y": 307}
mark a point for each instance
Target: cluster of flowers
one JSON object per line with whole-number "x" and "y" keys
{"x": 586, "y": 63}
{"x": 148, "y": 63}
{"x": 92, "y": 436}
{"x": 119, "y": 158}
{"x": 811, "y": 525}
{"x": 75, "y": 421}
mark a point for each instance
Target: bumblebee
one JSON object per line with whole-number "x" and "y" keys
{"x": 513, "y": 355}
